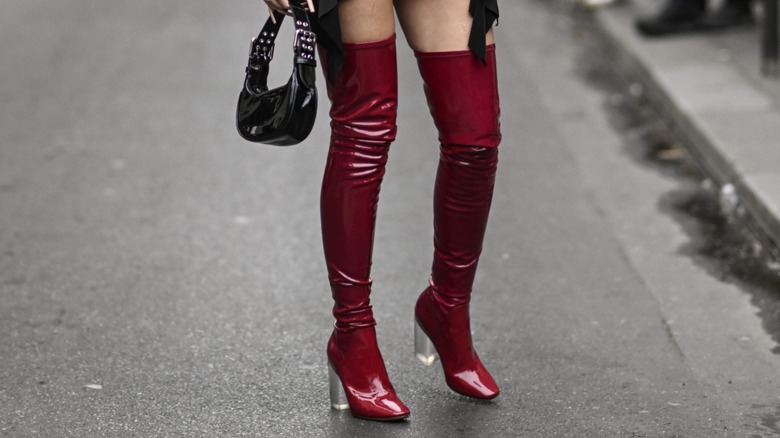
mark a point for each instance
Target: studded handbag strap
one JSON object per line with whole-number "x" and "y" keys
{"x": 261, "y": 50}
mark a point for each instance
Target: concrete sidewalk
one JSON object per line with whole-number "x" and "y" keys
{"x": 710, "y": 89}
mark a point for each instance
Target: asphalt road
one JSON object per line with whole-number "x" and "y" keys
{"x": 161, "y": 277}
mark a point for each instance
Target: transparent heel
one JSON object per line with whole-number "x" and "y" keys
{"x": 423, "y": 347}
{"x": 338, "y": 399}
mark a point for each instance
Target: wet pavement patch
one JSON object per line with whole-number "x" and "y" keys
{"x": 725, "y": 248}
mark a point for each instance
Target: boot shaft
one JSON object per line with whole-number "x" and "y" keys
{"x": 363, "y": 124}
{"x": 462, "y": 95}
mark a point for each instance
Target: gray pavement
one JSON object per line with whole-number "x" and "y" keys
{"x": 161, "y": 277}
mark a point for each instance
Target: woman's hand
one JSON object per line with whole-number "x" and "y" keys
{"x": 278, "y": 5}
{"x": 284, "y": 5}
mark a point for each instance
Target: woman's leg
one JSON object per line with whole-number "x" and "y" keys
{"x": 463, "y": 99}
{"x": 363, "y": 114}
{"x": 364, "y": 21}
{"x": 436, "y": 25}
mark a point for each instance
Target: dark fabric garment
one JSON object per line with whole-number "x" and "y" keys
{"x": 326, "y": 25}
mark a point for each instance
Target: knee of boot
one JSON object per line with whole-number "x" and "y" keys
{"x": 465, "y": 137}
{"x": 368, "y": 130}
{"x": 369, "y": 118}
{"x": 365, "y": 113}
{"x": 476, "y": 128}
{"x": 477, "y": 157}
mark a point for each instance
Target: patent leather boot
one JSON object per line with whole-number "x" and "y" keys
{"x": 463, "y": 99}
{"x": 358, "y": 379}
{"x": 363, "y": 114}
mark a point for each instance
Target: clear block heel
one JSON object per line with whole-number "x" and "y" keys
{"x": 338, "y": 399}
{"x": 423, "y": 347}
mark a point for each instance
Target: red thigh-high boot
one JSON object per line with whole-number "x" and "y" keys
{"x": 363, "y": 114}
{"x": 463, "y": 98}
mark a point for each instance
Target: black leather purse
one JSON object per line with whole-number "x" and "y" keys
{"x": 285, "y": 115}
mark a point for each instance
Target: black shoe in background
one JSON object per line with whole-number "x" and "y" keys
{"x": 733, "y": 13}
{"x": 677, "y": 16}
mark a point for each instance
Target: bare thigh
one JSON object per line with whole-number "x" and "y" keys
{"x": 366, "y": 20}
{"x": 436, "y": 25}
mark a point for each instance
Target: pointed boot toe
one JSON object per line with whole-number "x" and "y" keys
{"x": 477, "y": 383}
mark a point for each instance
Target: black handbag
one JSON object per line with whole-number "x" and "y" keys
{"x": 285, "y": 115}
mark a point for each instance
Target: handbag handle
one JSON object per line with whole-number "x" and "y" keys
{"x": 261, "y": 50}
